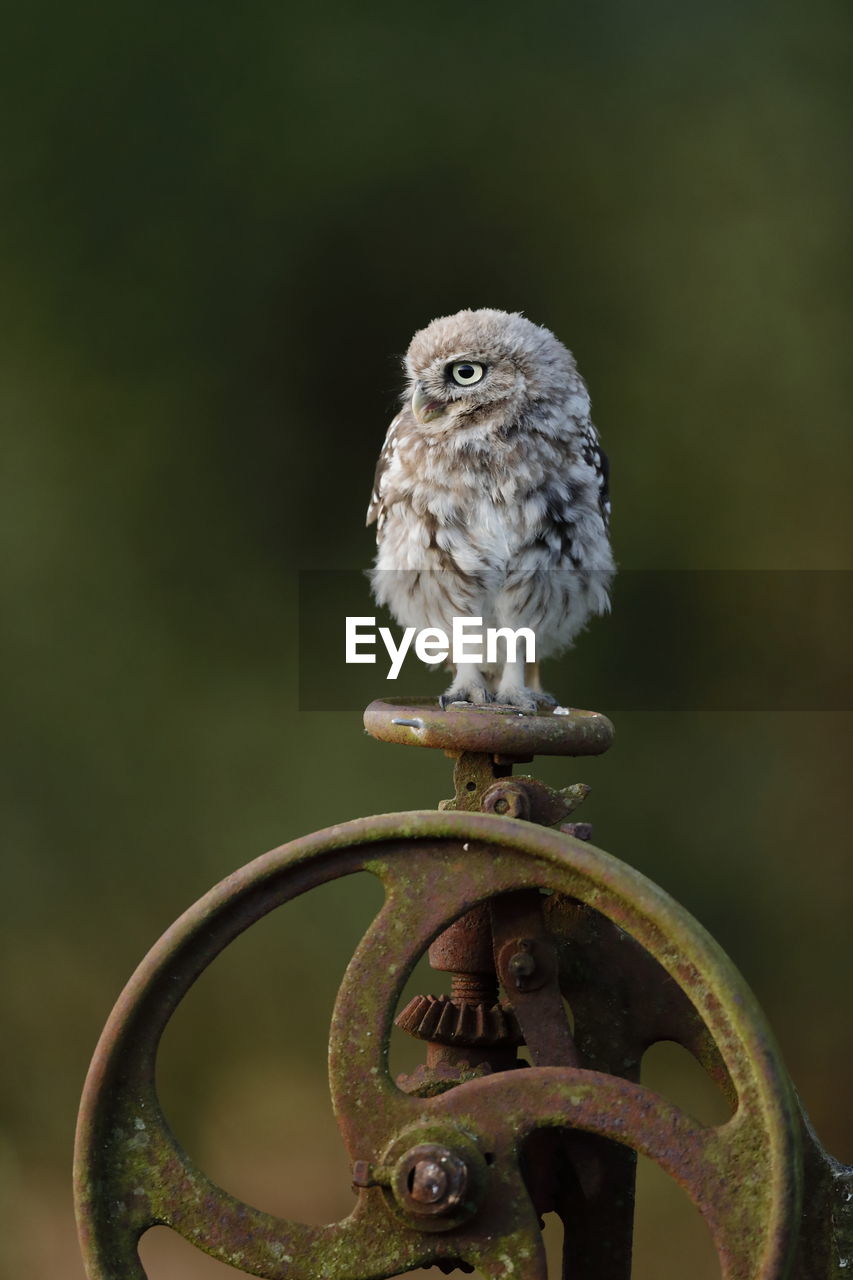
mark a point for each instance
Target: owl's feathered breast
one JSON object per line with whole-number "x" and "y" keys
{"x": 505, "y": 500}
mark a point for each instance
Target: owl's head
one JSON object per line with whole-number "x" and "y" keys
{"x": 485, "y": 369}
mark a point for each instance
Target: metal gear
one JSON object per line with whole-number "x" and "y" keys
{"x": 443, "y": 1020}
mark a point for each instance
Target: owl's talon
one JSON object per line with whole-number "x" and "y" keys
{"x": 528, "y": 700}
{"x": 469, "y": 695}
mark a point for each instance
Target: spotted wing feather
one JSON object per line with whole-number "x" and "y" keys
{"x": 376, "y": 507}
{"x": 595, "y": 457}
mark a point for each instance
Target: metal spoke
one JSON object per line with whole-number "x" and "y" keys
{"x": 729, "y": 1190}
{"x": 146, "y": 1179}
{"x": 367, "y": 1102}
{"x": 359, "y": 1248}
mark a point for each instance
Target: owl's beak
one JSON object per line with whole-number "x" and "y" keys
{"x": 425, "y": 409}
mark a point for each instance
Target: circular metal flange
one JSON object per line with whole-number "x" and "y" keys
{"x": 131, "y": 1174}
{"x": 491, "y": 729}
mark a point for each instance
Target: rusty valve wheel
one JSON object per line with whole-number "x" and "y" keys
{"x": 439, "y": 1179}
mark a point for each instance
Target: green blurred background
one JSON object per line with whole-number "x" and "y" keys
{"x": 220, "y": 226}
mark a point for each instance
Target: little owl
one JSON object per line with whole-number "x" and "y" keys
{"x": 491, "y": 497}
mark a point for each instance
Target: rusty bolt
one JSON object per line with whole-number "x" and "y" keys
{"x": 509, "y": 798}
{"x": 522, "y": 964}
{"x": 430, "y": 1180}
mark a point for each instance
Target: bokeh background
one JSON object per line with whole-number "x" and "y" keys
{"x": 220, "y": 226}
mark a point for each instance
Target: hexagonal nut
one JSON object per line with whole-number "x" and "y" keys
{"x": 508, "y": 799}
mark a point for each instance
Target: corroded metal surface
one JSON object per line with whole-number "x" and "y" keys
{"x": 526, "y": 961}
{"x": 493, "y": 729}
{"x": 744, "y": 1175}
{"x": 472, "y": 1024}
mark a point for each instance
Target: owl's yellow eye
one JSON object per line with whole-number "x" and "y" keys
{"x": 466, "y": 372}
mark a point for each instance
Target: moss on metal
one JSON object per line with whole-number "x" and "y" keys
{"x": 745, "y": 1176}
